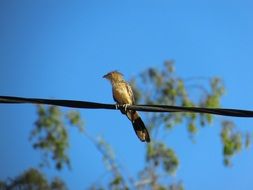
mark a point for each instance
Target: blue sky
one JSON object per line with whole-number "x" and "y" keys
{"x": 61, "y": 49}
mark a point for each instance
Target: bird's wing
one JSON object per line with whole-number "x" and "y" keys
{"x": 130, "y": 92}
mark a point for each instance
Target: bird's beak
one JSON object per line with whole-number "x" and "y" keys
{"x": 105, "y": 76}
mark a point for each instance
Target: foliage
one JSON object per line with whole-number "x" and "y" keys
{"x": 164, "y": 87}
{"x": 32, "y": 179}
{"x": 50, "y": 134}
{"x": 159, "y": 154}
{"x": 153, "y": 86}
{"x": 232, "y": 140}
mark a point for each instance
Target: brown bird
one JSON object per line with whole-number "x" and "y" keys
{"x": 123, "y": 95}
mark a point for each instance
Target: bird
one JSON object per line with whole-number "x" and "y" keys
{"x": 123, "y": 96}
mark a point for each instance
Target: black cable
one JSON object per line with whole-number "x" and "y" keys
{"x": 65, "y": 103}
{"x": 146, "y": 108}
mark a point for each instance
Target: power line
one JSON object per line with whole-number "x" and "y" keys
{"x": 145, "y": 108}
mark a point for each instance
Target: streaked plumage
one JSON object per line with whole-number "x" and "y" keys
{"x": 123, "y": 95}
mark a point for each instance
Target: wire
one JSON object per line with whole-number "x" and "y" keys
{"x": 145, "y": 108}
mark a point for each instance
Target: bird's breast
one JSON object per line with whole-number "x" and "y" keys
{"x": 120, "y": 94}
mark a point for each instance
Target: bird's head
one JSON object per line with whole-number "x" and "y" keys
{"x": 114, "y": 76}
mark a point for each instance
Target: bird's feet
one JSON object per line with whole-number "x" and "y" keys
{"x": 122, "y": 107}
{"x": 125, "y": 106}
{"x": 117, "y": 106}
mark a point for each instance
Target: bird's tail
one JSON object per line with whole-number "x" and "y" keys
{"x": 139, "y": 126}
